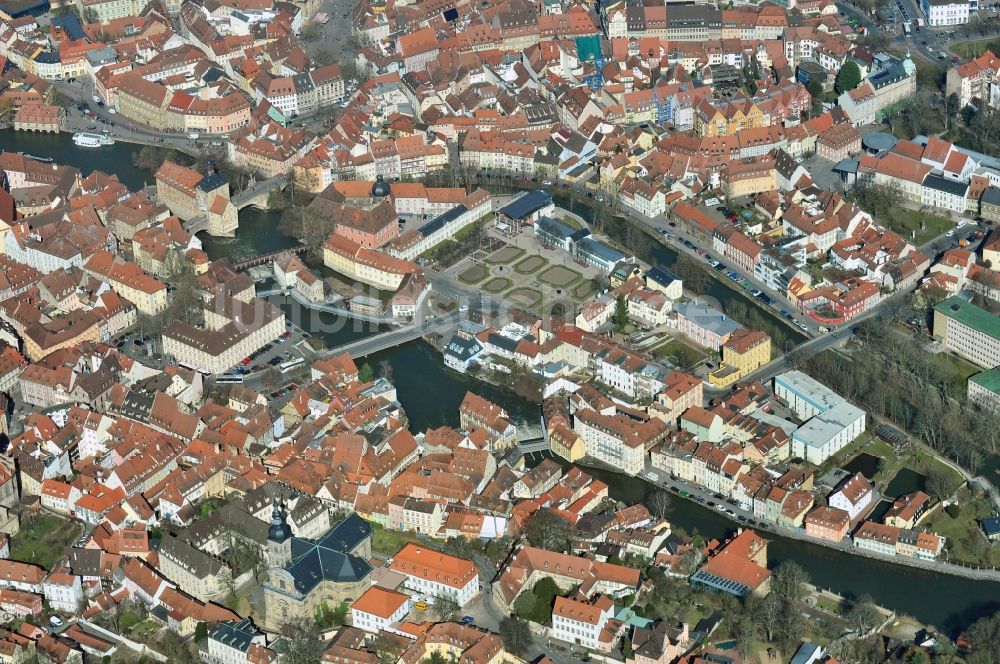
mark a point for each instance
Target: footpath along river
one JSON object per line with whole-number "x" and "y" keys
{"x": 431, "y": 395}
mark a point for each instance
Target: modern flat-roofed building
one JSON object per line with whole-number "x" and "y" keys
{"x": 831, "y": 421}
{"x": 804, "y": 395}
{"x": 984, "y": 389}
{"x": 597, "y": 253}
{"x": 968, "y": 331}
{"x": 827, "y": 433}
{"x": 553, "y": 233}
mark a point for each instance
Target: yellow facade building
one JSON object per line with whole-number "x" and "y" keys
{"x": 742, "y": 354}
{"x": 566, "y": 443}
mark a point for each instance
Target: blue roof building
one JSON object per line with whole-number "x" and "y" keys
{"x": 332, "y": 569}
{"x": 461, "y": 352}
{"x": 70, "y": 24}
{"x": 232, "y": 635}
{"x": 991, "y": 527}
{"x": 554, "y": 233}
{"x": 525, "y": 209}
{"x": 597, "y": 253}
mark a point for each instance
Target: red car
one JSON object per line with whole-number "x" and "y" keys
{"x": 246, "y": 361}
{"x": 287, "y": 334}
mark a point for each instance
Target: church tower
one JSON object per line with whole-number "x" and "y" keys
{"x": 279, "y": 539}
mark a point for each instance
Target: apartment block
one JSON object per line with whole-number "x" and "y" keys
{"x": 968, "y": 331}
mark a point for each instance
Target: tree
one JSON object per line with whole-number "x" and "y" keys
{"x": 877, "y": 199}
{"x": 939, "y": 484}
{"x": 447, "y": 608}
{"x": 536, "y": 605}
{"x": 325, "y": 56}
{"x": 767, "y": 612}
{"x": 183, "y": 287}
{"x": 951, "y": 107}
{"x": 984, "y": 638}
{"x": 150, "y": 157}
{"x": 366, "y": 374}
{"x": 548, "y": 531}
{"x": 516, "y": 634}
{"x": 311, "y": 33}
{"x": 695, "y": 277}
{"x": 244, "y": 557}
{"x": 815, "y": 89}
{"x": 864, "y": 615}
{"x": 176, "y": 648}
{"x": 744, "y": 634}
{"x": 201, "y": 631}
{"x": 621, "y": 312}
{"x": 302, "y": 644}
{"x": 848, "y": 77}
{"x": 790, "y": 581}
{"x": 789, "y": 627}
{"x": 309, "y": 226}
{"x": 387, "y": 648}
{"x": 659, "y": 503}
{"x": 690, "y": 560}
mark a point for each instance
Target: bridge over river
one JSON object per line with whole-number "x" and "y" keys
{"x": 255, "y": 195}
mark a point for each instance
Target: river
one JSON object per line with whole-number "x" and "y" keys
{"x": 431, "y": 395}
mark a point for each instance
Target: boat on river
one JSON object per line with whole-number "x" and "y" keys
{"x": 86, "y": 139}
{"x": 47, "y": 160}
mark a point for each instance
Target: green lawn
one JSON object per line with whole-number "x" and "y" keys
{"x": 965, "y": 540}
{"x": 926, "y": 226}
{"x": 960, "y": 369}
{"x": 685, "y": 355}
{"x": 389, "y": 542}
{"x": 572, "y": 222}
{"x": 975, "y": 48}
{"x": 42, "y": 539}
{"x": 146, "y": 632}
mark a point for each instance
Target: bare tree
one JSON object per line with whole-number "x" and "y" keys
{"x": 659, "y": 503}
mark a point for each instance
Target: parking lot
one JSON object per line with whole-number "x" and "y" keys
{"x": 279, "y": 353}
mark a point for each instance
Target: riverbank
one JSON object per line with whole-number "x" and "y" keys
{"x": 431, "y": 394}
{"x": 844, "y": 546}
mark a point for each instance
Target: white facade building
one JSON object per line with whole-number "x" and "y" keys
{"x": 379, "y": 608}
{"x": 64, "y": 592}
{"x": 580, "y": 623}
{"x": 945, "y": 12}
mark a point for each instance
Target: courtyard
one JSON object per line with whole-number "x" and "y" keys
{"x": 520, "y": 271}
